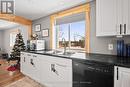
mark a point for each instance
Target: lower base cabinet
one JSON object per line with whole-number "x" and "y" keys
{"x": 56, "y": 72}
{"x": 47, "y": 70}
{"x": 121, "y": 77}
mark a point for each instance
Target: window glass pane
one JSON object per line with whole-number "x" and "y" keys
{"x": 73, "y": 33}
{"x": 77, "y": 35}
{"x": 12, "y": 38}
{"x": 63, "y": 33}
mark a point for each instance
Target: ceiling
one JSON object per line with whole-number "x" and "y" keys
{"x": 34, "y": 9}
{"x": 6, "y": 24}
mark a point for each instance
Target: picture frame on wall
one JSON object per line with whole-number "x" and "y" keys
{"x": 45, "y": 32}
{"x": 38, "y": 27}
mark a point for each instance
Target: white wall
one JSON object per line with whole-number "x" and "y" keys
{"x": 1, "y": 40}
{"x": 6, "y": 36}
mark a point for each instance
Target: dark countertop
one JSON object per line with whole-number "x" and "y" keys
{"x": 83, "y": 57}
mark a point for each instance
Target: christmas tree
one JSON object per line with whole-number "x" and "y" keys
{"x": 17, "y": 48}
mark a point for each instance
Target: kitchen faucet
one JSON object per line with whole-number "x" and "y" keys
{"x": 64, "y": 42}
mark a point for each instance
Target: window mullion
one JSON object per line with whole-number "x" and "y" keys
{"x": 69, "y": 35}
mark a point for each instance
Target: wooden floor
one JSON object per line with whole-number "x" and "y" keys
{"x": 5, "y": 78}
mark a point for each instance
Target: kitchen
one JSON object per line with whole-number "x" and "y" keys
{"x": 95, "y": 53}
{"x": 94, "y": 69}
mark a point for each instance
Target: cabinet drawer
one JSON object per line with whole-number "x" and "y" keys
{"x": 57, "y": 60}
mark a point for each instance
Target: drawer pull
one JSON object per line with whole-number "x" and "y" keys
{"x": 31, "y": 62}
{"x": 120, "y": 28}
{"x": 124, "y": 28}
{"x": 53, "y": 69}
{"x": 24, "y": 59}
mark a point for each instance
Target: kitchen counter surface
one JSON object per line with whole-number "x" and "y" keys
{"x": 83, "y": 57}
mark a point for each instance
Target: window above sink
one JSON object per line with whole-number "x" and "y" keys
{"x": 74, "y": 34}
{"x": 73, "y": 25}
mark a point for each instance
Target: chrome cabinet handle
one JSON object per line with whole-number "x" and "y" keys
{"x": 53, "y": 69}
{"x": 87, "y": 82}
{"x": 124, "y": 28}
{"x": 120, "y": 28}
{"x": 24, "y": 59}
{"x": 31, "y": 62}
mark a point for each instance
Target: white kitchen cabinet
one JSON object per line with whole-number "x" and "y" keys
{"x": 30, "y": 65}
{"x": 123, "y": 17}
{"x": 27, "y": 64}
{"x": 112, "y": 17}
{"x": 106, "y": 17}
{"x": 35, "y": 67}
{"x": 128, "y": 25}
{"x": 24, "y": 63}
{"x": 121, "y": 77}
{"x": 47, "y": 70}
{"x": 57, "y": 71}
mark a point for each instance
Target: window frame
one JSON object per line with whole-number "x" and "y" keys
{"x": 83, "y": 8}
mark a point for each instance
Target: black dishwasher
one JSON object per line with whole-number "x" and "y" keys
{"x": 91, "y": 74}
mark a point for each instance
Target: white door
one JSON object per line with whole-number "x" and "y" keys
{"x": 46, "y": 72}
{"x": 119, "y": 16}
{"x": 24, "y": 63}
{"x": 63, "y": 67}
{"x": 106, "y": 17}
{"x": 128, "y": 25}
{"x": 35, "y": 67}
{"x": 56, "y": 72}
{"x": 123, "y": 17}
{"x": 122, "y": 77}
{"x": 126, "y": 17}
{"x": 27, "y": 65}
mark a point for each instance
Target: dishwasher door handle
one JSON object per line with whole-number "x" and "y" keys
{"x": 117, "y": 73}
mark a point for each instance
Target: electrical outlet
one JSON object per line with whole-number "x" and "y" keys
{"x": 110, "y": 46}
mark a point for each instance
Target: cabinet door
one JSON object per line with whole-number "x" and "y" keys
{"x": 123, "y": 17}
{"x": 28, "y": 69}
{"x": 35, "y": 67}
{"x": 24, "y": 63}
{"x": 63, "y": 75}
{"x": 119, "y": 16}
{"x": 106, "y": 17}
{"x": 128, "y": 25}
{"x": 56, "y": 72}
{"x": 46, "y": 73}
{"x": 122, "y": 77}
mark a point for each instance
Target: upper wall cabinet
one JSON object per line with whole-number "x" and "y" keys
{"x": 112, "y": 17}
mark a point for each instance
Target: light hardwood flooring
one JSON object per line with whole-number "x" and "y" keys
{"x": 5, "y": 78}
